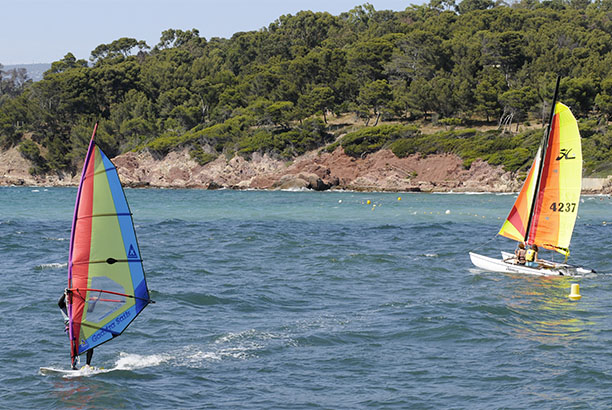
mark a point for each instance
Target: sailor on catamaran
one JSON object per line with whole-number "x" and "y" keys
{"x": 62, "y": 305}
{"x": 520, "y": 253}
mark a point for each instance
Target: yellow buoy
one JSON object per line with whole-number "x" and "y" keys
{"x": 575, "y": 292}
{"x": 368, "y": 202}
{"x": 399, "y": 198}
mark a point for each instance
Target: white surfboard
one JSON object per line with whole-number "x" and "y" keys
{"x": 83, "y": 371}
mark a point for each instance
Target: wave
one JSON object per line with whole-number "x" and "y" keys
{"x": 198, "y": 299}
{"x": 54, "y": 265}
{"x": 242, "y": 345}
{"x": 131, "y": 361}
{"x": 296, "y": 190}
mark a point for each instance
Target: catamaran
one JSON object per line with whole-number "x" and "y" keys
{"x": 545, "y": 210}
{"x": 107, "y": 288}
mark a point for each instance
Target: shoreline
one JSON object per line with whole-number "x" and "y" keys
{"x": 336, "y": 190}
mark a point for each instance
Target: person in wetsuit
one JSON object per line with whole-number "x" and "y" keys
{"x": 62, "y": 305}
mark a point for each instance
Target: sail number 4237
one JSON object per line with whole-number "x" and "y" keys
{"x": 563, "y": 206}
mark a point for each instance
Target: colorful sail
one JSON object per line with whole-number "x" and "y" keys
{"x": 106, "y": 281}
{"x": 515, "y": 226}
{"x": 552, "y": 210}
{"x": 556, "y": 206}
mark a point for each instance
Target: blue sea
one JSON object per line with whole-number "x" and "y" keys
{"x": 311, "y": 300}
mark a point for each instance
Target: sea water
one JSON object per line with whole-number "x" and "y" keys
{"x": 334, "y": 300}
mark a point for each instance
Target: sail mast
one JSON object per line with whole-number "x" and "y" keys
{"x": 544, "y": 146}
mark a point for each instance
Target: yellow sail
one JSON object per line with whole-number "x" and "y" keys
{"x": 556, "y": 206}
{"x": 550, "y": 211}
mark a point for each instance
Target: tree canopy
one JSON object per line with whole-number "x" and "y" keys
{"x": 274, "y": 90}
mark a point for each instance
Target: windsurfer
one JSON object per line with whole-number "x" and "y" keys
{"x": 62, "y": 305}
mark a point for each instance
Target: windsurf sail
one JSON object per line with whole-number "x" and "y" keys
{"x": 545, "y": 211}
{"x": 107, "y": 288}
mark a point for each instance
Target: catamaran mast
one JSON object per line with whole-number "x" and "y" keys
{"x": 544, "y": 147}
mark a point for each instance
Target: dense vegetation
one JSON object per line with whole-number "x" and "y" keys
{"x": 282, "y": 89}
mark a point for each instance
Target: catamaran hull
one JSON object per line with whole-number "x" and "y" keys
{"x": 498, "y": 265}
{"x": 572, "y": 270}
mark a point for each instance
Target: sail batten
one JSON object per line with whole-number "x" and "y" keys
{"x": 100, "y": 215}
{"x": 104, "y": 258}
{"x": 100, "y": 171}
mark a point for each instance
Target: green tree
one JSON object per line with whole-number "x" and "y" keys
{"x": 603, "y": 100}
{"x": 281, "y": 113}
{"x": 517, "y": 104}
{"x": 506, "y": 50}
{"x": 366, "y": 60}
{"x": 376, "y": 95}
{"x": 467, "y": 6}
{"x": 580, "y": 94}
{"x": 318, "y": 99}
{"x": 121, "y": 48}
{"x": 491, "y": 85}
{"x": 67, "y": 63}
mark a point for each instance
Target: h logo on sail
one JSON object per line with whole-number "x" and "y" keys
{"x": 565, "y": 154}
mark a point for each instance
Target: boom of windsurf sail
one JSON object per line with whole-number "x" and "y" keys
{"x": 107, "y": 288}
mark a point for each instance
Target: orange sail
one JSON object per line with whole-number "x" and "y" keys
{"x": 515, "y": 226}
{"x": 546, "y": 208}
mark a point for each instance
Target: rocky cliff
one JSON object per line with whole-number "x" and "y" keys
{"x": 381, "y": 171}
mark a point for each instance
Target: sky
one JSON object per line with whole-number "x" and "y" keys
{"x": 44, "y": 31}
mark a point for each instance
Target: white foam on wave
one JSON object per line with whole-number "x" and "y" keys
{"x": 296, "y": 190}
{"x": 198, "y": 357}
{"x": 55, "y": 265}
{"x": 243, "y": 345}
{"x": 55, "y": 239}
{"x": 131, "y": 361}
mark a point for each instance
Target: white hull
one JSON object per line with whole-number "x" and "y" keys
{"x": 498, "y": 265}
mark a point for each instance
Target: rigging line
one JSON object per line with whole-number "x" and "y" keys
{"x": 490, "y": 240}
{"x": 78, "y": 290}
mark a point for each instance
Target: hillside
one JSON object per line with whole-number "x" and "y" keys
{"x": 482, "y": 74}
